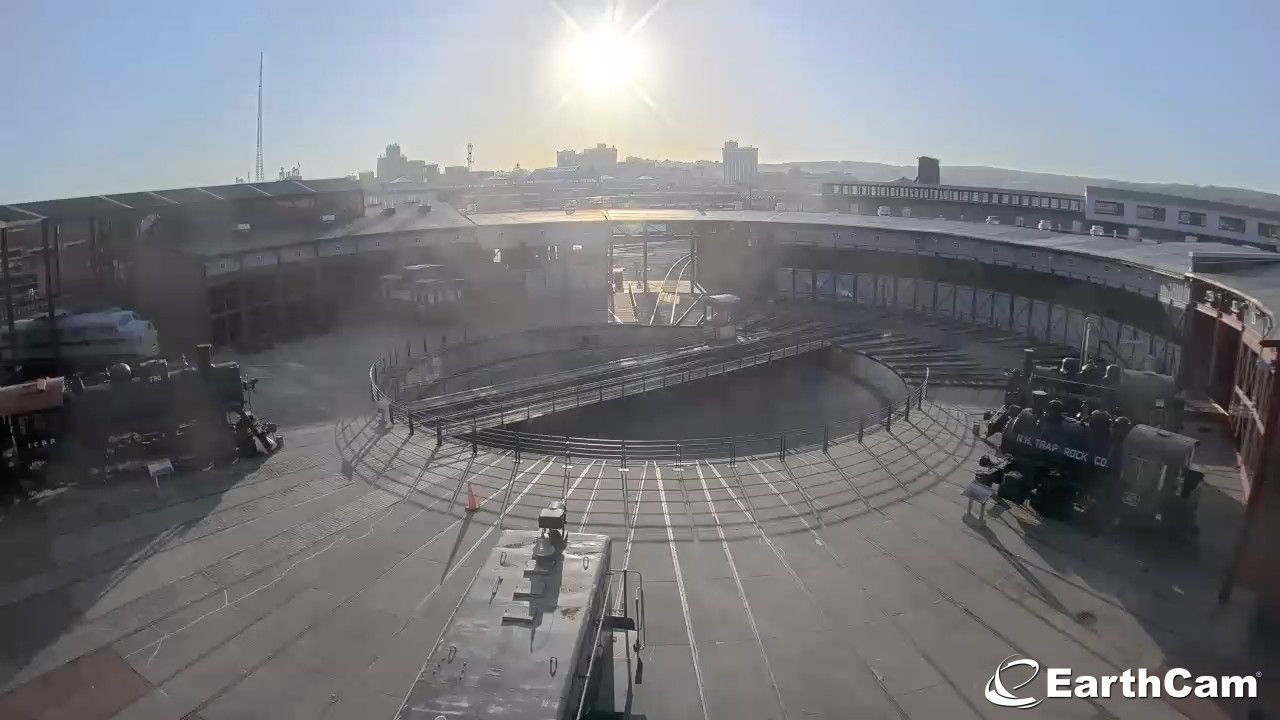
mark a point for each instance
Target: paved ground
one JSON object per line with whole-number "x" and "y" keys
{"x": 848, "y": 585}
{"x": 841, "y": 586}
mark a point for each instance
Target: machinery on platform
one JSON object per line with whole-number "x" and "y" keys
{"x": 1077, "y": 449}
{"x": 534, "y": 634}
{"x": 125, "y": 418}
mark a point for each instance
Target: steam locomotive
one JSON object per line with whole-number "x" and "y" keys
{"x": 1069, "y": 446}
{"x": 123, "y": 418}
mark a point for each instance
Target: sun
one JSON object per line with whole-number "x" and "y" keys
{"x": 605, "y": 58}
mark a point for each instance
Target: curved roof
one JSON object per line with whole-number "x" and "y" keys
{"x": 1257, "y": 272}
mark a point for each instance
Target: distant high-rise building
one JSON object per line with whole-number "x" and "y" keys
{"x": 741, "y": 164}
{"x": 596, "y": 161}
{"x": 394, "y": 165}
{"x": 927, "y": 171}
{"x": 600, "y": 160}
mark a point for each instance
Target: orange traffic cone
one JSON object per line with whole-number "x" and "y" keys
{"x": 471, "y": 499}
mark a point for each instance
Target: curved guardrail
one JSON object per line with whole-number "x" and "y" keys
{"x": 489, "y": 427}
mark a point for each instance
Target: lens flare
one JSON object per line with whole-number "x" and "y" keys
{"x": 605, "y": 59}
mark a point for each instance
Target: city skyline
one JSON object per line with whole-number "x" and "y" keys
{"x": 157, "y": 96}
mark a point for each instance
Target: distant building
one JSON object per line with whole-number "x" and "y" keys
{"x": 1170, "y": 218}
{"x": 395, "y": 165}
{"x": 600, "y": 160}
{"x": 928, "y": 171}
{"x": 593, "y": 162}
{"x": 903, "y": 198}
{"x": 457, "y": 174}
{"x": 741, "y": 164}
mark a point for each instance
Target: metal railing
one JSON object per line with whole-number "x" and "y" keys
{"x": 488, "y": 426}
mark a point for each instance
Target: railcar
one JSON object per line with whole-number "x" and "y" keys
{"x": 80, "y": 339}
{"x": 534, "y": 636}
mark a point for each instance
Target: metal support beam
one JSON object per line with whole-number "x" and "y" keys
{"x": 55, "y": 346}
{"x": 8, "y": 291}
{"x": 644, "y": 258}
{"x": 693, "y": 262}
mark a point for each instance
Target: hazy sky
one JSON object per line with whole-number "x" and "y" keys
{"x": 148, "y": 94}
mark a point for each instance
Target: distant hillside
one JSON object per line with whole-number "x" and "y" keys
{"x": 980, "y": 176}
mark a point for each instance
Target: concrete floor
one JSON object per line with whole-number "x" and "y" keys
{"x": 848, "y": 585}
{"x": 840, "y": 586}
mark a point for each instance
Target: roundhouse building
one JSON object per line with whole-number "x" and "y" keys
{"x": 146, "y": 250}
{"x": 1204, "y": 312}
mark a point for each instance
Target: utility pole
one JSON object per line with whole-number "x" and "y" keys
{"x": 257, "y": 165}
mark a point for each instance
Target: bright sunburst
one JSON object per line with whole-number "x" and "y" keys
{"x": 605, "y": 58}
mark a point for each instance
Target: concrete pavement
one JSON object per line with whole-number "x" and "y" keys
{"x": 839, "y": 585}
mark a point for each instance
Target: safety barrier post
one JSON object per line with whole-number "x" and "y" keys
{"x": 474, "y": 442}
{"x": 907, "y": 410}
{"x": 439, "y": 433}
{"x": 733, "y": 453}
{"x": 888, "y": 419}
{"x": 782, "y": 448}
{"x": 679, "y": 454}
{"x": 553, "y": 404}
{"x": 826, "y": 439}
{"x": 502, "y": 418}
{"x": 624, "y": 453}
{"x": 517, "y": 451}
{"x": 860, "y": 428}
{"x": 424, "y": 344}
{"x": 408, "y": 349}
{"x": 409, "y": 417}
{"x": 564, "y": 491}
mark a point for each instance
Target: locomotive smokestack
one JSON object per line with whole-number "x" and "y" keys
{"x": 1028, "y": 366}
{"x": 204, "y": 356}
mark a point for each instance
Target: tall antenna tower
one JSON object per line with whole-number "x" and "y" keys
{"x": 257, "y": 165}
{"x": 468, "y": 157}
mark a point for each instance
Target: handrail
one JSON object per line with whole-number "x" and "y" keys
{"x": 642, "y": 376}
{"x": 489, "y": 428}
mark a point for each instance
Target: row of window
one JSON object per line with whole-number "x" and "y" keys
{"x": 911, "y": 192}
{"x": 1189, "y": 218}
{"x": 995, "y": 250}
